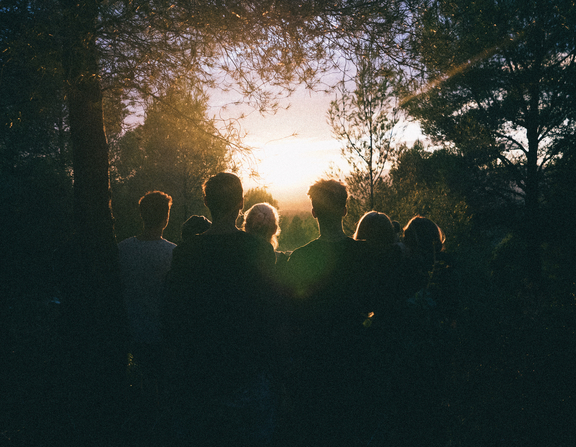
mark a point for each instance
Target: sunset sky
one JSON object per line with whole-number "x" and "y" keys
{"x": 288, "y": 164}
{"x": 293, "y": 147}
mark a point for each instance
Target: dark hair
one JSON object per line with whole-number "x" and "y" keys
{"x": 423, "y": 235}
{"x": 194, "y": 225}
{"x": 328, "y": 197}
{"x": 222, "y": 193}
{"x": 376, "y": 228}
{"x": 154, "y": 208}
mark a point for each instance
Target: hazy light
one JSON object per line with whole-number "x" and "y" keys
{"x": 294, "y": 147}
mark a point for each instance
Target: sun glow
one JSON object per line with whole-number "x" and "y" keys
{"x": 294, "y": 147}
{"x": 287, "y": 168}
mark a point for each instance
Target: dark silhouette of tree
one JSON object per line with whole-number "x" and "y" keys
{"x": 498, "y": 85}
{"x": 433, "y": 184}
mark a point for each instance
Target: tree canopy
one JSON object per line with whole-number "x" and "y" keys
{"x": 498, "y": 84}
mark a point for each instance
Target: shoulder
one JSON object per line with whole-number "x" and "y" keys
{"x": 240, "y": 242}
{"x": 353, "y": 244}
{"x": 282, "y": 256}
{"x": 187, "y": 246}
{"x": 353, "y": 253}
{"x": 128, "y": 248}
{"x": 349, "y": 247}
{"x": 310, "y": 247}
{"x": 304, "y": 254}
{"x": 167, "y": 245}
{"x": 127, "y": 242}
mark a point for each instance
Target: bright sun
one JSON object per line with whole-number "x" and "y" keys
{"x": 287, "y": 168}
{"x": 295, "y": 147}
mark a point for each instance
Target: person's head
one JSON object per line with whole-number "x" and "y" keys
{"x": 423, "y": 236}
{"x": 194, "y": 225}
{"x": 155, "y": 209}
{"x": 263, "y": 220}
{"x": 328, "y": 199}
{"x": 375, "y": 228}
{"x": 223, "y": 195}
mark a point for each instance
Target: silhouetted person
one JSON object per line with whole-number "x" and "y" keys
{"x": 263, "y": 220}
{"x": 425, "y": 324}
{"x": 144, "y": 262}
{"x": 330, "y": 281}
{"x": 194, "y": 225}
{"x": 219, "y": 328}
{"x": 379, "y": 232}
{"x": 387, "y": 339}
{"x": 425, "y": 241}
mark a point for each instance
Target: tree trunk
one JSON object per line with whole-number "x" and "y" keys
{"x": 532, "y": 222}
{"x": 95, "y": 322}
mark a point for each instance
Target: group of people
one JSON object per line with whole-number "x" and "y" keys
{"x": 252, "y": 346}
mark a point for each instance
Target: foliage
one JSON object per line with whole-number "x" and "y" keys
{"x": 366, "y": 121}
{"x": 297, "y": 231}
{"x": 117, "y": 56}
{"x": 258, "y": 195}
{"x": 559, "y": 231}
{"x": 33, "y": 116}
{"x": 431, "y": 184}
{"x": 35, "y": 156}
{"x": 174, "y": 151}
{"x": 36, "y": 216}
{"x": 508, "y": 380}
{"x": 498, "y": 83}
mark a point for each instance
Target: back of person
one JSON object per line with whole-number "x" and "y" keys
{"x": 263, "y": 220}
{"x": 216, "y": 307}
{"x": 327, "y": 277}
{"x": 144, "y": 265}
{"x": 423, "y": 359}
{"x": 144, "y": 262}
{"x": 330, "y": 283}
{"x": 379, "y": 232}
{"x": 219, "y": 329}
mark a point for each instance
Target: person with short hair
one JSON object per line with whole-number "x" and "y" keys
{"x": 144, "y": 262}
{"x": 219, "y": 328}
{"x": 329, "y": 261}
{"x": 330, "y": 279}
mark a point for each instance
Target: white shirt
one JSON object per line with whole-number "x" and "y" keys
{"x": 143, "y": 269}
